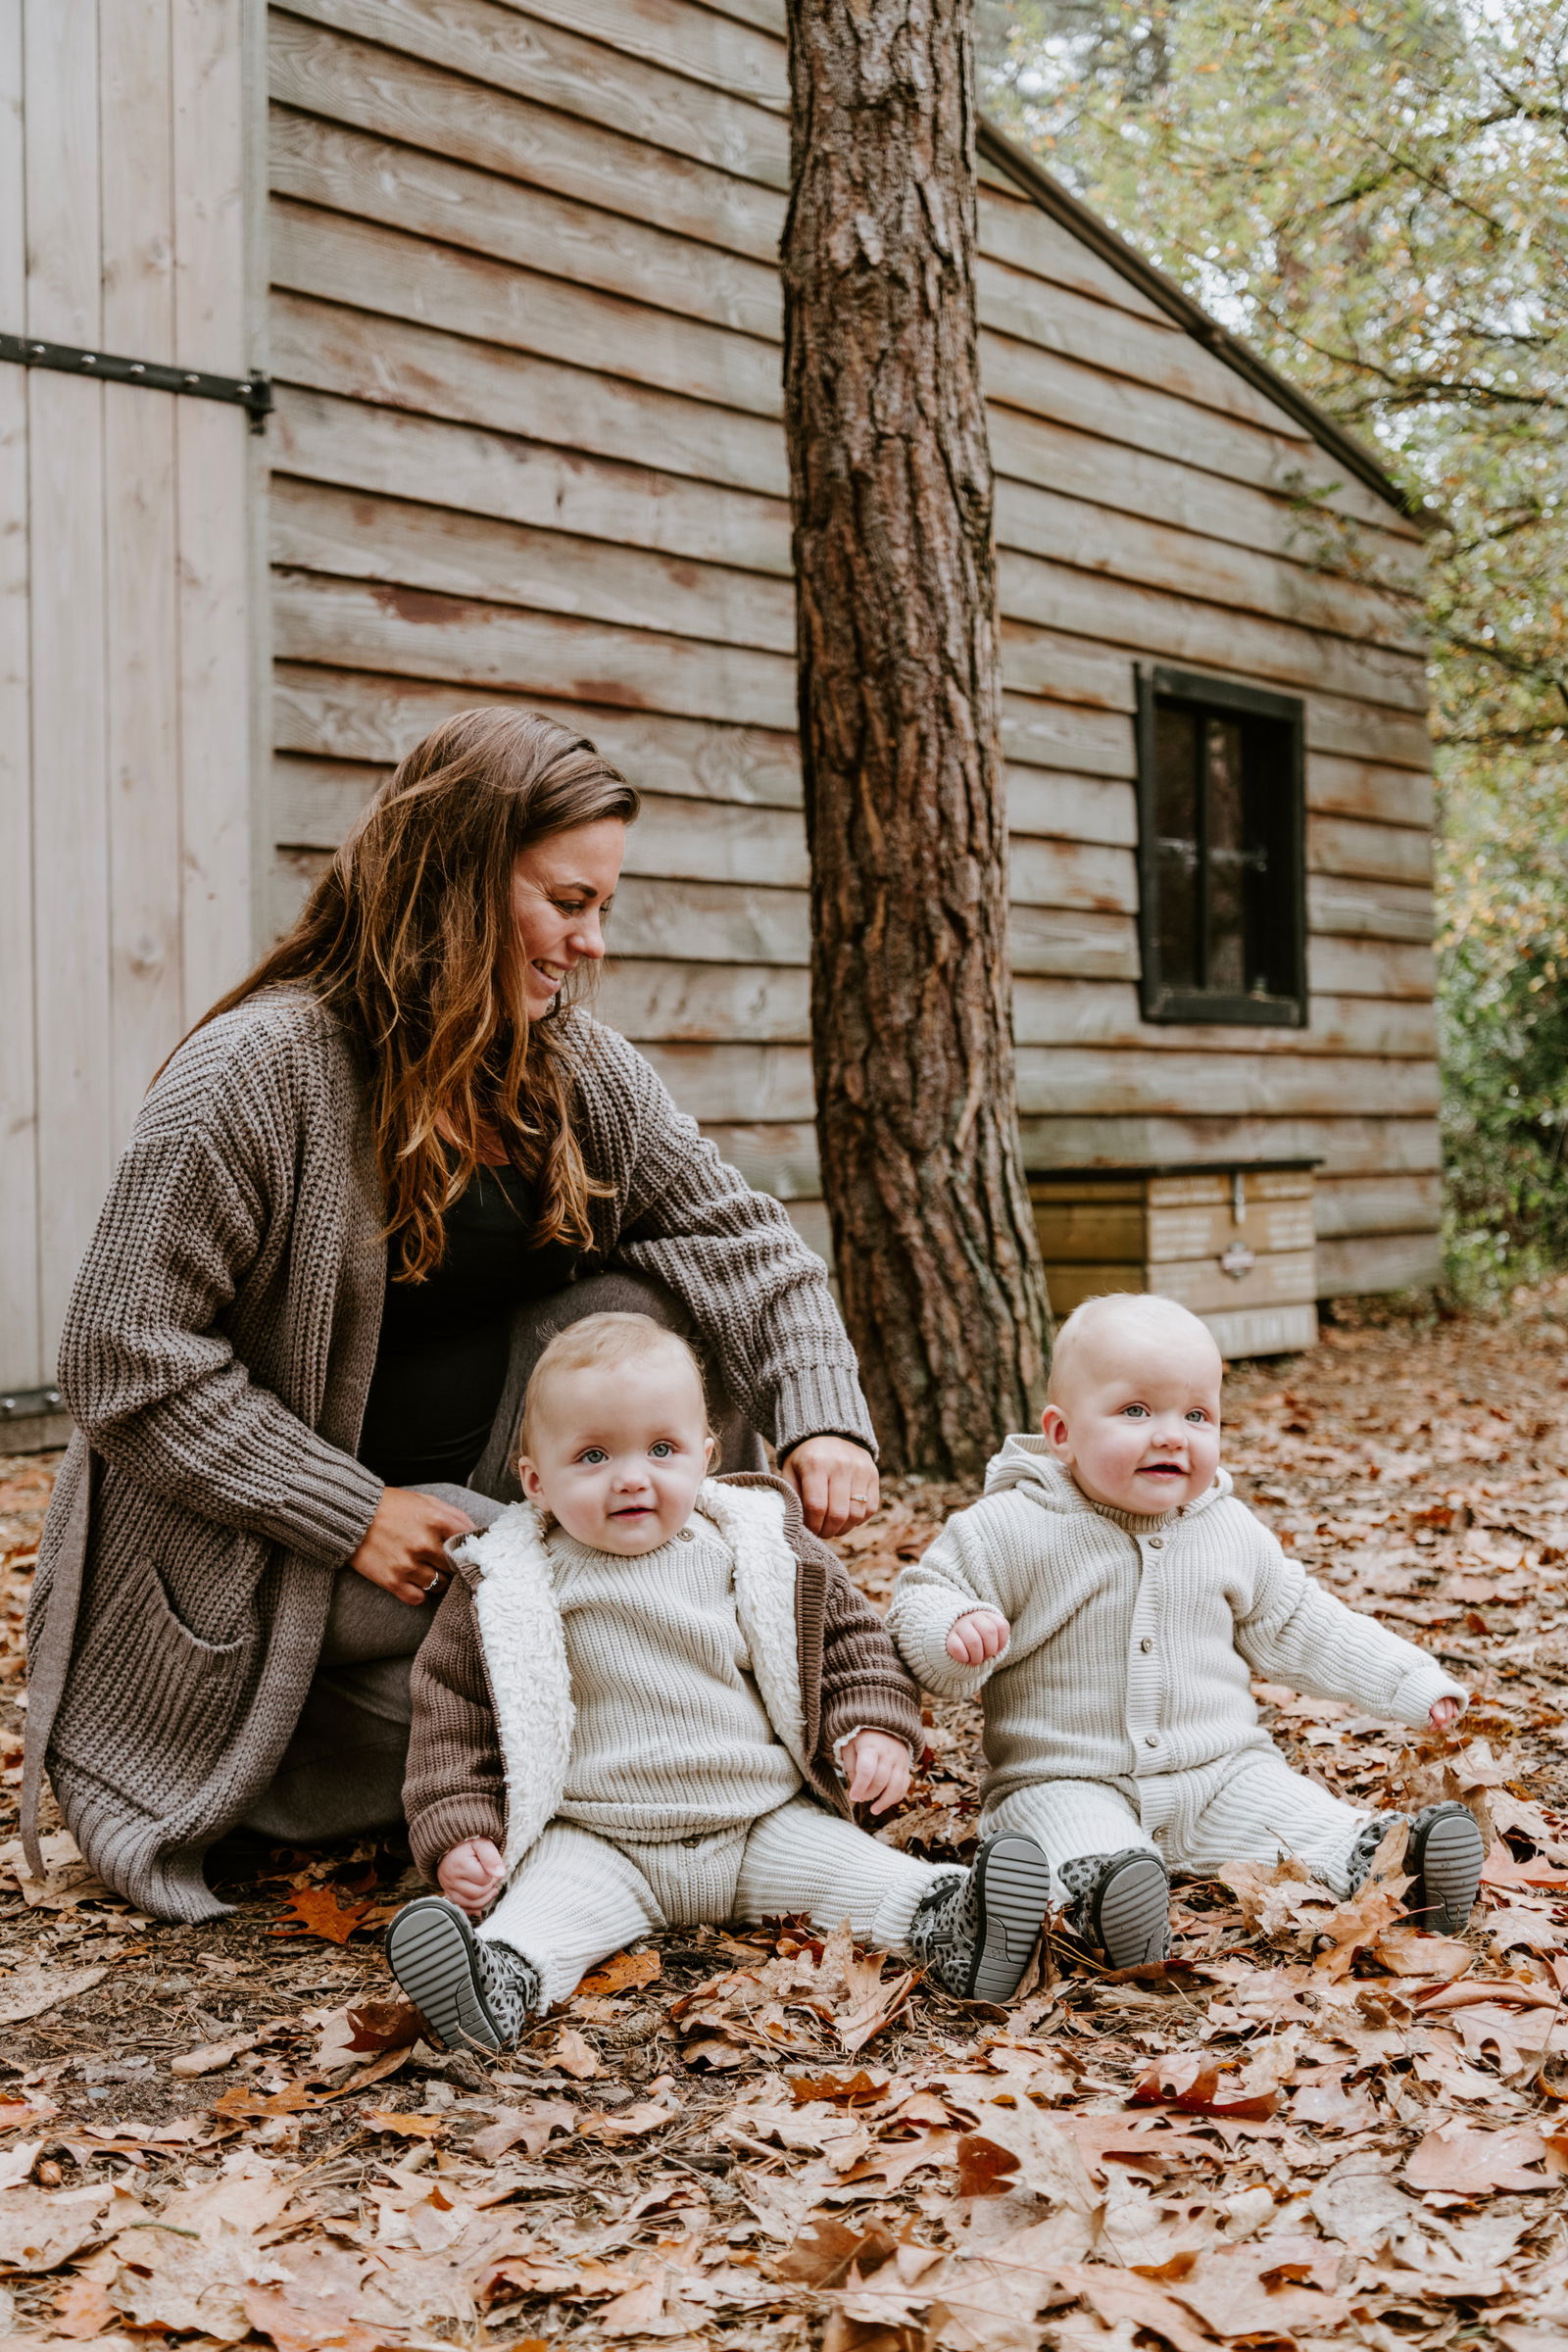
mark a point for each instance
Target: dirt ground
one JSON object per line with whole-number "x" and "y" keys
{"x": 1318, "y": 2126}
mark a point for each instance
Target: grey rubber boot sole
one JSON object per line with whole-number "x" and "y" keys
{"x": 1445, "y": 1857}
{"x": 1013, "y": 1887}
{"x": 430, "y": 1950}
{"x": 1130, "y": 1919}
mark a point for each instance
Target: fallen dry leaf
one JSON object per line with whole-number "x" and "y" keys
{"x": 620, "y": 1975}
{"x": 574, "y": 2055}
{"x": 529, "y": 2126}
{"x": 30, "y": 1992}
{"x": 1475, "y": 2162}
{"x": 211, "y": 2057}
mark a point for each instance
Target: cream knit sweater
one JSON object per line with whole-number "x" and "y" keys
{"x": 671, "y": 1737}
{"x": 1134, "y": 1641}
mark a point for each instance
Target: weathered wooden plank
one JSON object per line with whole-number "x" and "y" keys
{"x": 339, "y": 259}
{"x": 318, "y": 527}
{"x": 1037, "y": 733}
{"x": 1059, "y": 808}
{"x": 779, "y": 1159}
{"x": 1165, "y": 628}
{"x": 1050, "y": 1012}
{"x": 321, "y": 438}
{"x": 141, "y": 655}
{"x": 1118, "y": 411}
{"x": 736, "y": 1083}
{"x": 1361, "y": 909}
{"x": 1343, "y": 845}
{"x": 385, "y": 91}
{"x": 1073, "y": 941}
{"x": 1370, "y": 1146}
{"x": 348, "y": 624}
{"x": 711, "y": 922}
{"x": 710, "y": 47}
{"x": 1366, "y": 789}
{"x": 1370, "y": 967}
{"x": 351, "y": 716}
{"x": 333, "y": 348}
{"x": 502, "y": 49}
{"x": 141, "y": 650}
{"x": 1070, "y": 326}
{"x": 426, "y": 195}
{"x": 1017, "y": 232}
{"x": 690, "y": 1003}
{"x": 1101, "y": 539}
{"x": 1072, "y": 874}
{"x": 1379, "y": 1262}
{"x": 65, "y": 510}
{"x": 1357, "y": 729}
{"x": 213, "y": 481}
{"x": 1351, "y": 1205}
{"x": 1083, "y": 1081}
{"x": 23, "y": 1350}
{"x": 1074, "y": 461}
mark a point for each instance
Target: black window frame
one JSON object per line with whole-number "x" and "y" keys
{"x": 1161, "y": 1002}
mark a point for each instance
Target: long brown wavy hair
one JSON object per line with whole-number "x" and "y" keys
{"x": 410, "y": 938}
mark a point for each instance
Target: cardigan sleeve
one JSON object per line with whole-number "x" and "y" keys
{"x": 864, "y": 1684}
{"x": 955, "y": 1576}
{"x": 758, "y": 1297}
{"x": 1294, "y": 1632}
{"x": 455, "y": 1786}
{"x": 145, "y": 1367}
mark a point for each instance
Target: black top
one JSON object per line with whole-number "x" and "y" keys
{"x": 441, "y": 1364}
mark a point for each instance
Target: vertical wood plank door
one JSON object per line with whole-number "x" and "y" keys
{"x": 126, "y": 673}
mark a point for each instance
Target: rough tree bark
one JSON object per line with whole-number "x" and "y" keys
{"x": 937, "y": 1259}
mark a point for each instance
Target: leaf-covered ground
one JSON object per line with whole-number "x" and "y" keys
{"x": 1320, "y": 2128}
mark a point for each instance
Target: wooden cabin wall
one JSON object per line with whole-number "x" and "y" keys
{"x": 126, "y": 604}
{"x": 525, "y": 324}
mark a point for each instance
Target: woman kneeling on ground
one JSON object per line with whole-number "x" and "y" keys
{"x": 360, "y": 1199}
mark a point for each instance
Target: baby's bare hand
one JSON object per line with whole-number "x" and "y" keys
{"x": 470, "y": 1875}
{"x": 878, "y": 1769}
{"x": 1445, "y": 1713}
{"x": 979, "y": 1635}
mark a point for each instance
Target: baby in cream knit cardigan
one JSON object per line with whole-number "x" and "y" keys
{"x": 1111, "y": 1599}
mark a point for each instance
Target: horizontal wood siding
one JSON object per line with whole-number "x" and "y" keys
{"x": 525, "y": 328}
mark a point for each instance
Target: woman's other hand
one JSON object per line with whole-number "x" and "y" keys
{"x": 470, "y": 1875}
{"x": 404, "y": 1550}
{"x": 877, "y": 1767}
{"x": 979, "y": 1635}
{"x": 836, "y": 1481}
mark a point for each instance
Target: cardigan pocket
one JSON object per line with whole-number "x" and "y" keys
{"x": 142, "y": 1682}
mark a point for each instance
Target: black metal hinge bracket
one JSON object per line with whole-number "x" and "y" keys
{"x": 250, "y": 392}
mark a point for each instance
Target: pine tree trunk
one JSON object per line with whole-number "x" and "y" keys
{"x": 911, "y": 990}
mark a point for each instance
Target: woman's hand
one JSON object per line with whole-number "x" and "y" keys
{"x": 979, "y": 1634}
{"x": 1444, "y": 1713}
{"x": 470, "y": 1875}
{"x": 836, "y": 1481}
{"x": 404, "y": 1550}
{"x": 877, "y": 1767}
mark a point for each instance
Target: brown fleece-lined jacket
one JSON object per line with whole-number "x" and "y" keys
{"x": 492, "y": 1689}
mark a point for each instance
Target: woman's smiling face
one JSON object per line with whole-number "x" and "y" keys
{"x": 561, "y": 892}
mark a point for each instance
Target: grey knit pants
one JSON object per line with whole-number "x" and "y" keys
{"x": 578, "y": 1897}
{"x": 341, "y": 1775}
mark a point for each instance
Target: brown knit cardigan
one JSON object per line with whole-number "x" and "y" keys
{"x": 851, "y": 1678}
{"x": 217, "y": 1357}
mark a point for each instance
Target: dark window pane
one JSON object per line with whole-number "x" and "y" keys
{"x": 1176, "y": 844}
{"x": 1226, "y": 857}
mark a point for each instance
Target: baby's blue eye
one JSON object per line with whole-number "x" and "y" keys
{"x": 1197, "y": 1415}
{"x": 1137, "y": 1412}
{"x": 661, "y": 1450}
{"x": 593, "y": 1455}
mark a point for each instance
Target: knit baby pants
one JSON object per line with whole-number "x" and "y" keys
{"x": 578, "y": 1897}
{"x": 1248, "y": 1807}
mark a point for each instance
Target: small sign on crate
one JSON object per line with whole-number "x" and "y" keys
{"x": 1235, "y": 1242}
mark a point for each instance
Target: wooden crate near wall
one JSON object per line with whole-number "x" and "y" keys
{"x": 1234, "y": 1243}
